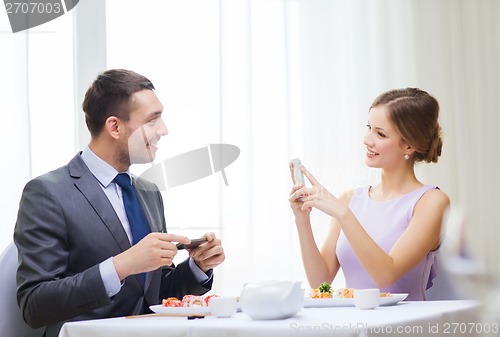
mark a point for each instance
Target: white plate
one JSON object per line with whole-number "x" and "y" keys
{"x": 181, "y": 311}
{"x": 349, "y": 302}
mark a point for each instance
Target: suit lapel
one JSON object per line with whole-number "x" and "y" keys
{"x": 90, "y": 188}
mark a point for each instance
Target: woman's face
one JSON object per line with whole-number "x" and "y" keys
{"x": 384, "y": 145}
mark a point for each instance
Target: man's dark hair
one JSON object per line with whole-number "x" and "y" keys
{"x": 111, "y": 95}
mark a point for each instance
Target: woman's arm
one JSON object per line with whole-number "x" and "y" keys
{"x": 320, "y": 266}
{"x": 422, "y": 235}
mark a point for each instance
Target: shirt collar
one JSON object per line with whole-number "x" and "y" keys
{"x": 104, "y": 172}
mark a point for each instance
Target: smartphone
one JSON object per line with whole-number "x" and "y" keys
{"x": 194, "y": 243}
{"x": 297, "y": 173}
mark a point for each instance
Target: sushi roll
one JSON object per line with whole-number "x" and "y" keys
{"x": 193, "y": 301}
{"x": 172, "y": 302}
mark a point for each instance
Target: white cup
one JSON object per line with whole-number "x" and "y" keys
{"x": 366, "y": 298}
{"x": 223, "y": 306}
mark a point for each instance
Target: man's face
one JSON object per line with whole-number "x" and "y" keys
{"x": 145, "y": 127}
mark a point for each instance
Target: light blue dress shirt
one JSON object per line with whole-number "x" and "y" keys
{"x": 105, "y": 174}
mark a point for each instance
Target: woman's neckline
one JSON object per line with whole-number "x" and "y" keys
{"x": 395, "y": 198}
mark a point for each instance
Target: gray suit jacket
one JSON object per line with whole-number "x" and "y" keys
{"x": 65, "y": 228}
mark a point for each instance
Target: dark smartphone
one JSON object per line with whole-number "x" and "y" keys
{"x": 194, "y": 243}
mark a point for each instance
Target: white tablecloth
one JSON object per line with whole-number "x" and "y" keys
{"x": 432, "y": 318}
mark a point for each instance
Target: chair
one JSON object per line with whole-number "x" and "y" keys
{"x": 11, "y": 321}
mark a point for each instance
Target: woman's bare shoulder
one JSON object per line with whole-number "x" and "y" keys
{"x": 436, "y": 195}
{"x": 434, "y": 198}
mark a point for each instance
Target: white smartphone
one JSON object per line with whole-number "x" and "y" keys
{"x": 297, "y": 173}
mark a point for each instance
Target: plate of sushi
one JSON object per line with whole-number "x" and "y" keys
{"x": 189, "y": 305}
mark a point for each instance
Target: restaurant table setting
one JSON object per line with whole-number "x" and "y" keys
{"x": 281, "y": 309}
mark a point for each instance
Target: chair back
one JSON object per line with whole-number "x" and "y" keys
{"x": 11, "y": 320}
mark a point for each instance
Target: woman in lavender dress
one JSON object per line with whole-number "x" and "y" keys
{"x": 382, "y": 236}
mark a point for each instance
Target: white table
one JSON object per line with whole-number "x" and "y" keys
{"x": 433, "y": 318}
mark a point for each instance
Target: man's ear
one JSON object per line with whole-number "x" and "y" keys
{"x": 112, "y": 127}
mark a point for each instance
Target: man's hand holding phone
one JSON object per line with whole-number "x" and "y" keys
{"x": 193, "y": 244}
{"x": 206, "y": 252}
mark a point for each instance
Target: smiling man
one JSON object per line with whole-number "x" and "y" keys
{"x": 91, "y": 237}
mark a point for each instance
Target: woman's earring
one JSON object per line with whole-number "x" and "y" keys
{"x": 407, "y": 156}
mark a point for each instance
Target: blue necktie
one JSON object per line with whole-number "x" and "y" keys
{"x": 136, "y": 218}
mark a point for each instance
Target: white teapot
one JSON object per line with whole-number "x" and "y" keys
{"x": 271, "y": 299}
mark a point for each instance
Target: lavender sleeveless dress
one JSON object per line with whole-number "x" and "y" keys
{"x": 385, "y": 221}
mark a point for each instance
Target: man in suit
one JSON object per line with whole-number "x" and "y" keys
{"x": 76, "y": 252}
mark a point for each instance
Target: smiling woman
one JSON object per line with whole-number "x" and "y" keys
{"x": 384, "y": 235}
